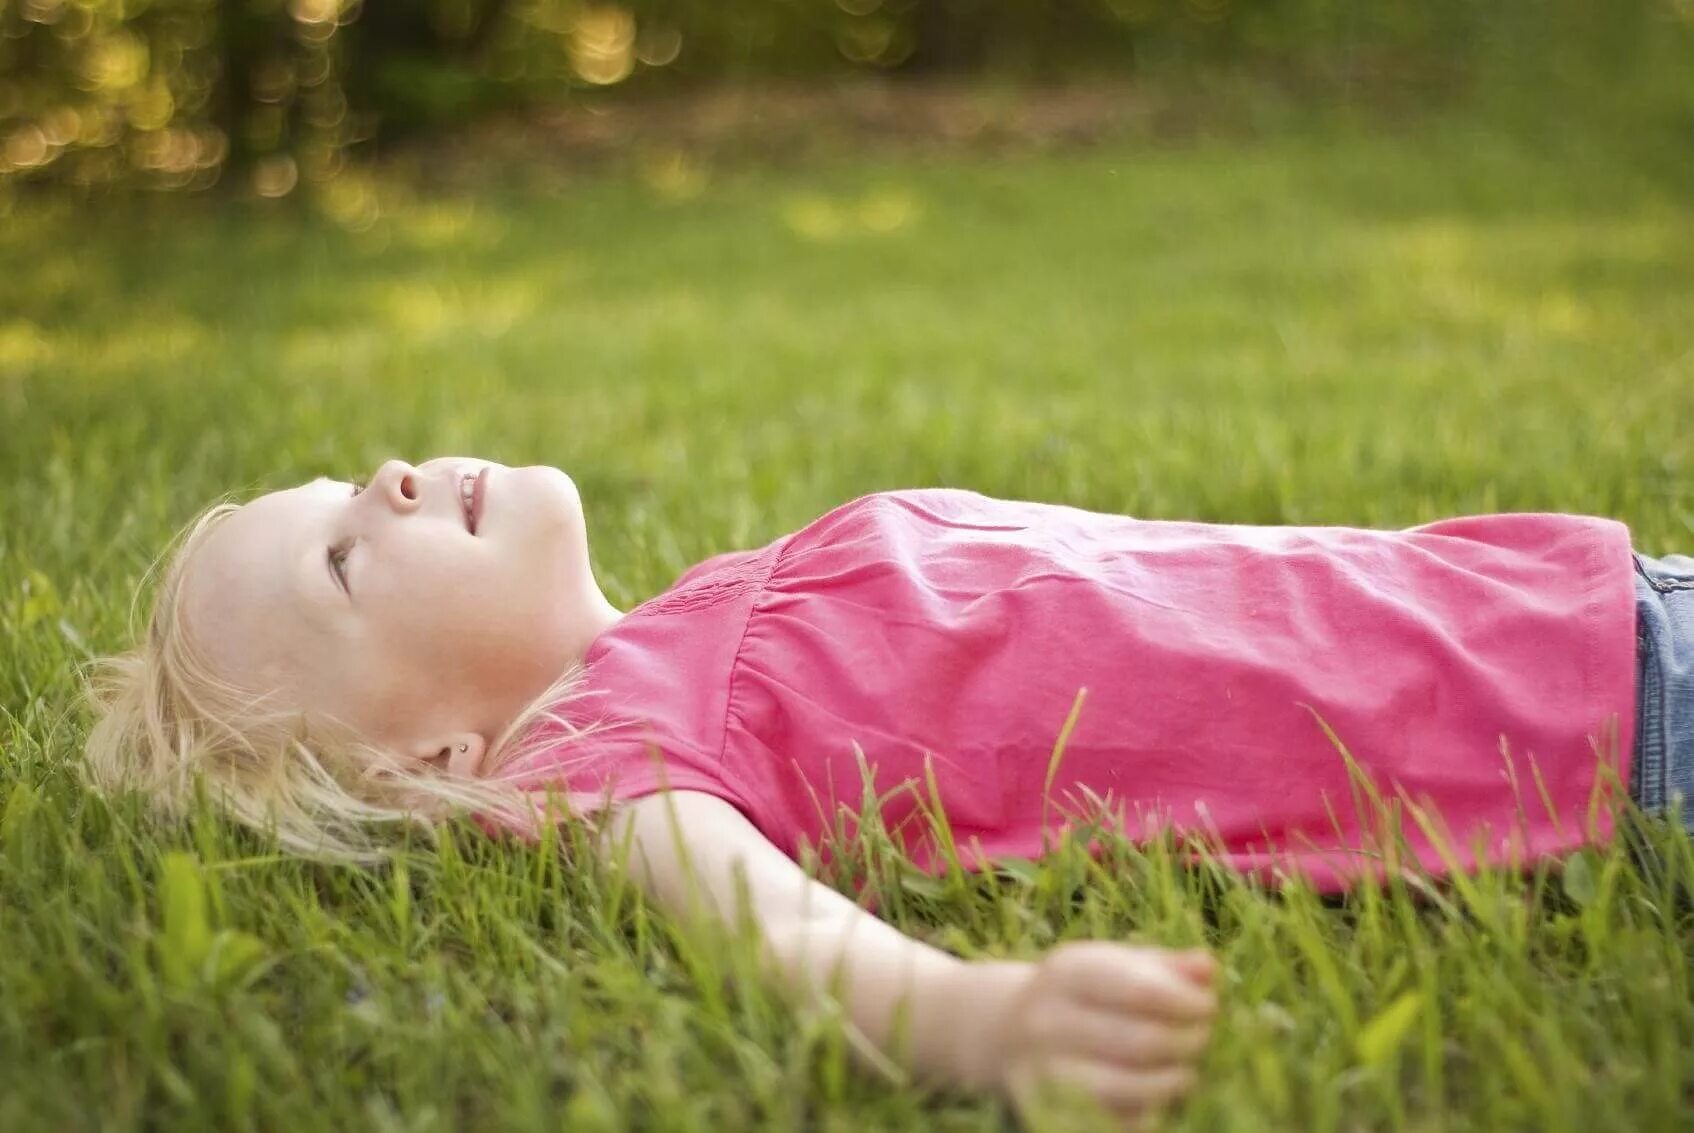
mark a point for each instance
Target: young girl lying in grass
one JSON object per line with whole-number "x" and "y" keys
{"x": 338, "y": 655}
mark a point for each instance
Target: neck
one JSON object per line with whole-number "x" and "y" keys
{"x": 600, "y": 616}
{"x": 597, "y": 616}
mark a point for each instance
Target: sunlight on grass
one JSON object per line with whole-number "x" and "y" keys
{"x": 423, "y": 310}
{"x": 446, "y": 226}
{"x": 1353, "y": 330}
{"x": 23, "y": 343}
{"x": 817, "y": 217}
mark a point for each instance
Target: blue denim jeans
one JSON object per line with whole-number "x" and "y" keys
{"x": 1663, "y": 764}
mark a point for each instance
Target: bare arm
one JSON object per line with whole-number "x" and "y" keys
{"x": 1123, "y": 1023}
{"x": 809, "y": 930}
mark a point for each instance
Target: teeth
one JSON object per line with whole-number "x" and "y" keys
{"x": 467, "y": 494}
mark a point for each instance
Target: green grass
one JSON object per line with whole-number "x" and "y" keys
{"x": 1314, "y": 327}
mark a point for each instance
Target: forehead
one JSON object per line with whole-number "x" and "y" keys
{"x": 256, "y": 534}
{"x": 247, "y": 590}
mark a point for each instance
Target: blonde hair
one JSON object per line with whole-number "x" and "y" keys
{"x": 164, "y": 718}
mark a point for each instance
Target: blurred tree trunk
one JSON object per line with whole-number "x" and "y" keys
{"x": 241, "y": 33}
{"x": 411, "y": 29}
{"x": 950, "y": 37}
{"x": 1025, "y": 38}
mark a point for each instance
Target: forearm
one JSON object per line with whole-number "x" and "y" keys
{"x": 906, "y": 1003}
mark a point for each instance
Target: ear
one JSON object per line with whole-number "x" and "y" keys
{"x": 459, "y": 752}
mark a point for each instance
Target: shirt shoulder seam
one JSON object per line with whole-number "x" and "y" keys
{"x": 780, "y": 550}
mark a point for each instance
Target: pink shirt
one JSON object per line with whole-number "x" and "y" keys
{"x": 942, "y": 631}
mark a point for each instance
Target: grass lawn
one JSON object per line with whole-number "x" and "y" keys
{"x": 1316, "y": 326}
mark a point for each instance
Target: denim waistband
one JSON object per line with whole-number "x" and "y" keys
{"x": 1662, "y": 767}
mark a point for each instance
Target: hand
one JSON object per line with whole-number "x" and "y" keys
{"x": 1123, "y": 1025}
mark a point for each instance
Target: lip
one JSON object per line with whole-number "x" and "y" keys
{"x": 479, "y": 494}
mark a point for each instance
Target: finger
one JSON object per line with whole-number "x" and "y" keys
{"x": 1129, "y": 1041}
{"x": 1197, "y": 964}
{"x": 1115, "y": 1087}
{"x": 1135, "y": 980}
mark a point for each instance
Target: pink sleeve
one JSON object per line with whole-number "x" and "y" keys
{"x": 618, "y": 764}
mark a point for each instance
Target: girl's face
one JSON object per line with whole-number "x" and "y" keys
{"x": 423, "y": 610}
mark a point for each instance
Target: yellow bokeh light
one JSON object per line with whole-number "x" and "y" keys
{"x": 117, "y": 61}
{"x": 674, "y": 176}
{"x": 314, "y": 11}
{"x": 43, "y": 11}
{"x": 23, "y": 343}
{"x": 151, "y": 107}
{"x": 814, "y": 218}
{"x": 887, "y": 210}
{"x": 602, "y": 46}
{"x": 351, "y": 201}
{"x": 26, "y": 147}
{"x": 275, "y": 176}
{"x": 658, "y": 46}
{"x": 865, "y": 41}
{"x": 273, "y": 80}
{"x": 61, "y": 126}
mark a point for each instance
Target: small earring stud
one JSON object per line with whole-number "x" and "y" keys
{"x": 464, "y": 747}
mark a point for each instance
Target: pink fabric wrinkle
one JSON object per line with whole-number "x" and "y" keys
{"x": 944, "y": 626}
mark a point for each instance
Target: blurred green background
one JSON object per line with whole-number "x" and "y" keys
{"x": 276, "y": 94}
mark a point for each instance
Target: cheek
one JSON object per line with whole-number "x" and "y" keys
{"x": 471, "y": 612}
{"x": 424, "y": 593}
{"x": 537, "y": 567}
{"x": 466, "y": 609}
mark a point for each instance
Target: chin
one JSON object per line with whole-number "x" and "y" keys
{"x": 538, "y": 517}
{"x": 539, "y": 497}
{"x": 555, "y": 480}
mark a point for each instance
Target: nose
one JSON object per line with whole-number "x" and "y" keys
{"x": 396, "y": 485}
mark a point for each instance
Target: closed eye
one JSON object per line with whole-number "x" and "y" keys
{"x": 338, "y": 564}
{"x": 338, "y": 552}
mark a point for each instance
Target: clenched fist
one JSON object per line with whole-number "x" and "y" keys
{"x": 1123, "y": 1025}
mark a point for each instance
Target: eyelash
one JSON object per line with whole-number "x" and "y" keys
{"x": 339, "y": 552}
{"x": 338, "y": 561}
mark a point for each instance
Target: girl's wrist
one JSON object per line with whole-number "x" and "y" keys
{"x": 984, "y": 990}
